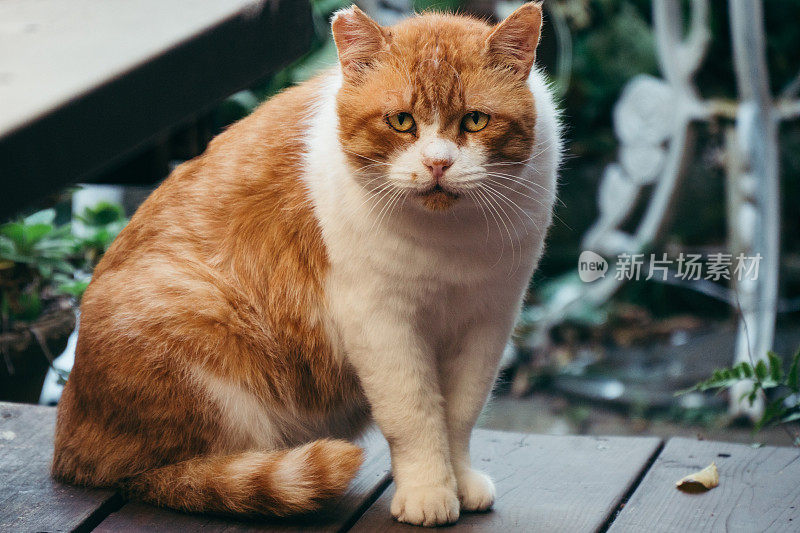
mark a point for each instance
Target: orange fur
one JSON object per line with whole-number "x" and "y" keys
{"x": 209, "y": 309}
{"x": 437, "y": 65}
{"x": 221, "y": 269}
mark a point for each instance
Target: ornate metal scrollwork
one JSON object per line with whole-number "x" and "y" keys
{"x": 653, "y": 121}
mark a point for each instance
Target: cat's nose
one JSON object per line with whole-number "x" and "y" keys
{"x": 437, "y": 167}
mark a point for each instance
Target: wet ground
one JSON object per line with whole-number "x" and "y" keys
{"x": 552, "y": 415}
{"x": 631, "y": 391}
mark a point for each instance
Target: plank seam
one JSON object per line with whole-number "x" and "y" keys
{"x": 366, "y": 504}
{"x": 612, "y": 516}
{"x": 111, "y": 505}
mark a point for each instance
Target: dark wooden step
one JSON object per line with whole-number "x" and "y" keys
{"x": 86, "y": 84}
{"x": 29, "y": 498}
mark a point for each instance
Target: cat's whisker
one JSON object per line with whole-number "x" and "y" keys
{"x": 493, "y": 209}
{"x": 385, "y": 192}
{"x": 525, "y": 184}
{"x": 387, "y": 207}
{"x": 370, "y": 180}
{"x": 530, "y": 197}
{"x": 361, "y": 170}
{"x": 384, "y": 200}
{"x": 558, "y": 218}
{"x": 540, "y": 151}
{"x": 375, "y": 193}
{"x": 364, "y": 157}
{"x": 508, "y": 201}
{"x": 499, "y": 230}
{"x": 516, "y": 206}
{"x": 502, "y": 211}
{"x": 483, "y": 211}
{"x": 400, "y": 195}
{"x": 481, "y": 170}
{"x": 527, "y": 168}
{"x": 394, "y": 203}
{"x": 515, "y": 179}
{"x": 539, "y": 202}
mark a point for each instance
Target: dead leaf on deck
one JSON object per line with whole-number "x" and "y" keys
{"x": 705, "y": 479}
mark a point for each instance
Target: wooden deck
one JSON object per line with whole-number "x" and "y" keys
{"x": 545, "y": 483}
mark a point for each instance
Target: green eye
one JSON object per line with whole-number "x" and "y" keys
{"x": 401, "y": 121}
{"x": 474, "y": 121}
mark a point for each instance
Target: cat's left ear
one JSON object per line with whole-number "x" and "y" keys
{"x": 358, "y": 39}
{"x": 513, "y": 42}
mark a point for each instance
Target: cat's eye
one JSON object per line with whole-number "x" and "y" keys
{"x": 474, "y": 121}
{"x": 401, "y": 121}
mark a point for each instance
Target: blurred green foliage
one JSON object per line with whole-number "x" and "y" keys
{"x": 32, "y": 251}
{"x": 41, "y": 260}
{"x": 37, "y": 243}
{"x": 437, "y": 5}
{"x": 762, "y": 377}
{"x": 101, "y": 225}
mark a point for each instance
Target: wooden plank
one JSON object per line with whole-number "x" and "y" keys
{"x": 29, "y": 498}
{"x": 759, "y": 490}
{"x": 544, "y": 483}
{"x": 371, "y": 481}
{"x": 85, "y": 84}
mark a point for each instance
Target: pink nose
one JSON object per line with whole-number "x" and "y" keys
{"x": 437, "y": 167}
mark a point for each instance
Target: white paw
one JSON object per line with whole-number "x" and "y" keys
{"x": 425, "y": 506}
{"x": 475, "y": 491}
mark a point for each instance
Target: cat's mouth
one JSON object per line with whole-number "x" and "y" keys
{"x": 437, "y": 198}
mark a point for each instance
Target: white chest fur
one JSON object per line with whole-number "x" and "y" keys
{"x": 438, "y": 269}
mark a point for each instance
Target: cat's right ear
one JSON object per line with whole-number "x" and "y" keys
{"x": 358, "y": 39}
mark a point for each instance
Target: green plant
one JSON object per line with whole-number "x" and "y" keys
{"x": 101, "y": 225}
{"x": 37, "y": 242}
{"x": 33, "y": 251}
{"x": 41, "y": 261}
{"x": 44, "y": 270}
{"x": 783, "y": 407}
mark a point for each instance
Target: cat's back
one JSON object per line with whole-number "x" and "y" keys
{"x": 255, "y": 163}
{"x": 222, "y": 243}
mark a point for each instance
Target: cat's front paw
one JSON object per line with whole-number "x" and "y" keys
{"x": 425, "y": 506}
{"x": 475, "y": 491}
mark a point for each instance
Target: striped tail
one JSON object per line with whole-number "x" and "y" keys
{"x": 277, "y": 483}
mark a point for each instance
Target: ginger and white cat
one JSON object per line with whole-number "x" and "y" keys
{"x": 356, "y": 249}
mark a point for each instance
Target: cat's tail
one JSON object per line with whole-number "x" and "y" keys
{"x": 277, "y": 483}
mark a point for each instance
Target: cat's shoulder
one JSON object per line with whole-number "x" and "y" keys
{"x": 276, "y": 124}
{"x": 293, "y": 106}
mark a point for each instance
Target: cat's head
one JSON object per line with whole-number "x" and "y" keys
{"x": 432, "y": 104}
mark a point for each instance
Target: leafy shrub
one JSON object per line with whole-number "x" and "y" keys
{"x": 41, "y": 262}
{"x": 33, "y": 252}
{"x": 769, "y": 378}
